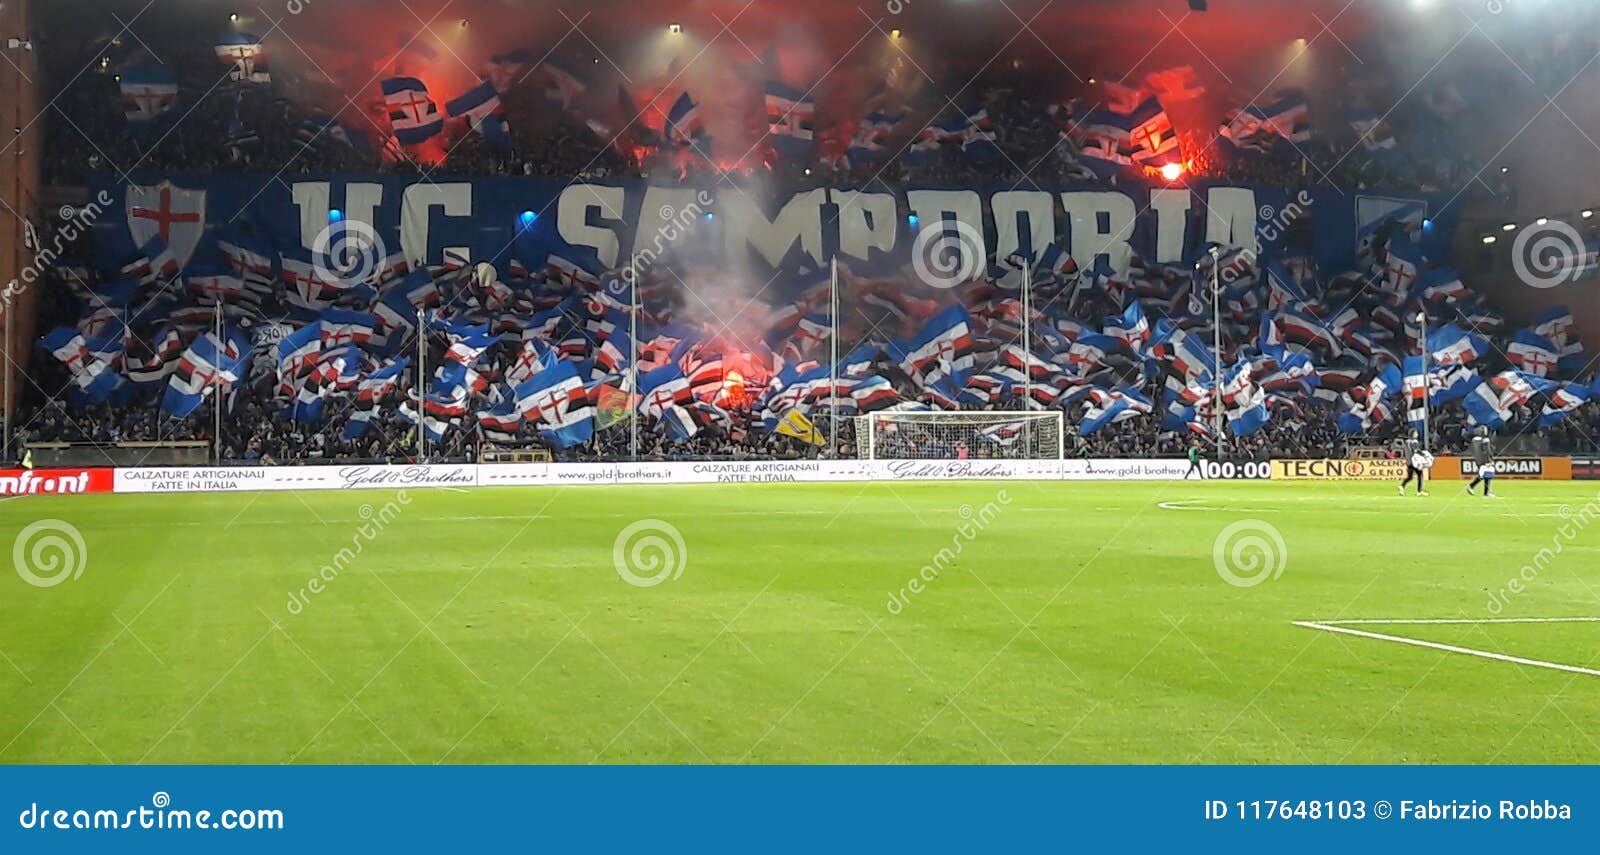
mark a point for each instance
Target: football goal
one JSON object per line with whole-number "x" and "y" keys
{"x": 941, "y": 435}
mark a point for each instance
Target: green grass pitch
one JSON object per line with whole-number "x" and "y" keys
{"x": 1080, "y": 622}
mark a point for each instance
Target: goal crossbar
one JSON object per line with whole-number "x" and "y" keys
{"x": 949, "y": 435}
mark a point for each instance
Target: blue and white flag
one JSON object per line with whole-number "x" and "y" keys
{"x": 414, "y": 117}
{"x": 148, "y": 93}
{"x": 1532, "y": 353}
{"x": 1150, "y": 134}
{"x": 683, "y": 124}
{"x": 475, "y": 105}
{"x": 244, "y": 52}
{"x": 1484, "y": 407}
{"x": 1561, "y": 402}
{"x": 1373, "y": 132}
{"x": 1260, "y": 127}
{"x": 1131, "y": 327}
{"x": 791, "y": 119}
{"x": 1451, "y": 345}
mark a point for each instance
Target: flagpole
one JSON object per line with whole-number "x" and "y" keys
{"x": 216, "y": 388}
{"x": 633, "y": 363}
{"x": 1422, "y": 345}
{"x": 833, "y": 344}
{"x": 1027, "y": 337}
{"x": 5, "y": 402}
{"x": 422, "y": 383}
{"x": 1216, "y": 347}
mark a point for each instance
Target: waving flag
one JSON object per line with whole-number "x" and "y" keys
{"x": 209, "y": 363}
{"x": 683, "y": 125}
{"x": 94, "y": 376}
{"x": 1373, "y": 131}
{"x": 1555, "y": 324}
{"x": 148, "y": 92}
{"x": 944, "y": 347}
{"x": 1451, "y": 345}
{"x": 663, "y": 388}
{"x": 480, "y": 106}
{"x": 413, "y": 116}
{"x": 1533, "y": 353}
{"x": 791, "y": 116}
{"x": 1562, "y": 401}
{"x": 1258, "y": 128}
{"x": 1150, "y": 133}
{"x": 1131, "y": 327}
{"x": 244, "y": 52}
{"x": 1483, "y": 406}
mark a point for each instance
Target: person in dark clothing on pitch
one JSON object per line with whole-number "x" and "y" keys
{"x": 1411, "y": 452}
{"x": 1483, "y": 456}
{"x": 1194, "y": 463}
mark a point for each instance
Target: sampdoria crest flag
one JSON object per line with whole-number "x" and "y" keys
{"x": 174, "y": 214}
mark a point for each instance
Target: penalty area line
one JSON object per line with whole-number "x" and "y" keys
{"x": 1451, "y": 648}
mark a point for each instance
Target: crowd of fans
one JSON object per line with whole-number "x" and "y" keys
{"x": 89, "y": 134}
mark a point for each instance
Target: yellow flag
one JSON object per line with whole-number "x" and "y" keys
{"x": 794, "y": 423}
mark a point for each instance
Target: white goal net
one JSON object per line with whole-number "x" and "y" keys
{"x": 935, "y": 435}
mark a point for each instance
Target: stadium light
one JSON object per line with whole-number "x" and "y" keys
{"x": 1587, "y": 214}
{"x": 1509, "y": 227}
{"x": 233, "y": 16}
{"x": 675, "y": 29}
{"x": 1542, "y": 220}
{"x": 1489, "y": 238}
{"x": 1172, "y": 171}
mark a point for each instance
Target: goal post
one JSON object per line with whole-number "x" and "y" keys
{"x": 942, "y": 435}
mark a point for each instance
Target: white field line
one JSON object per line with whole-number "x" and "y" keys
{"x": 1397, "y": 621}
{"x": 1415, "y": 510}
{"x": 1339, "y": 627}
